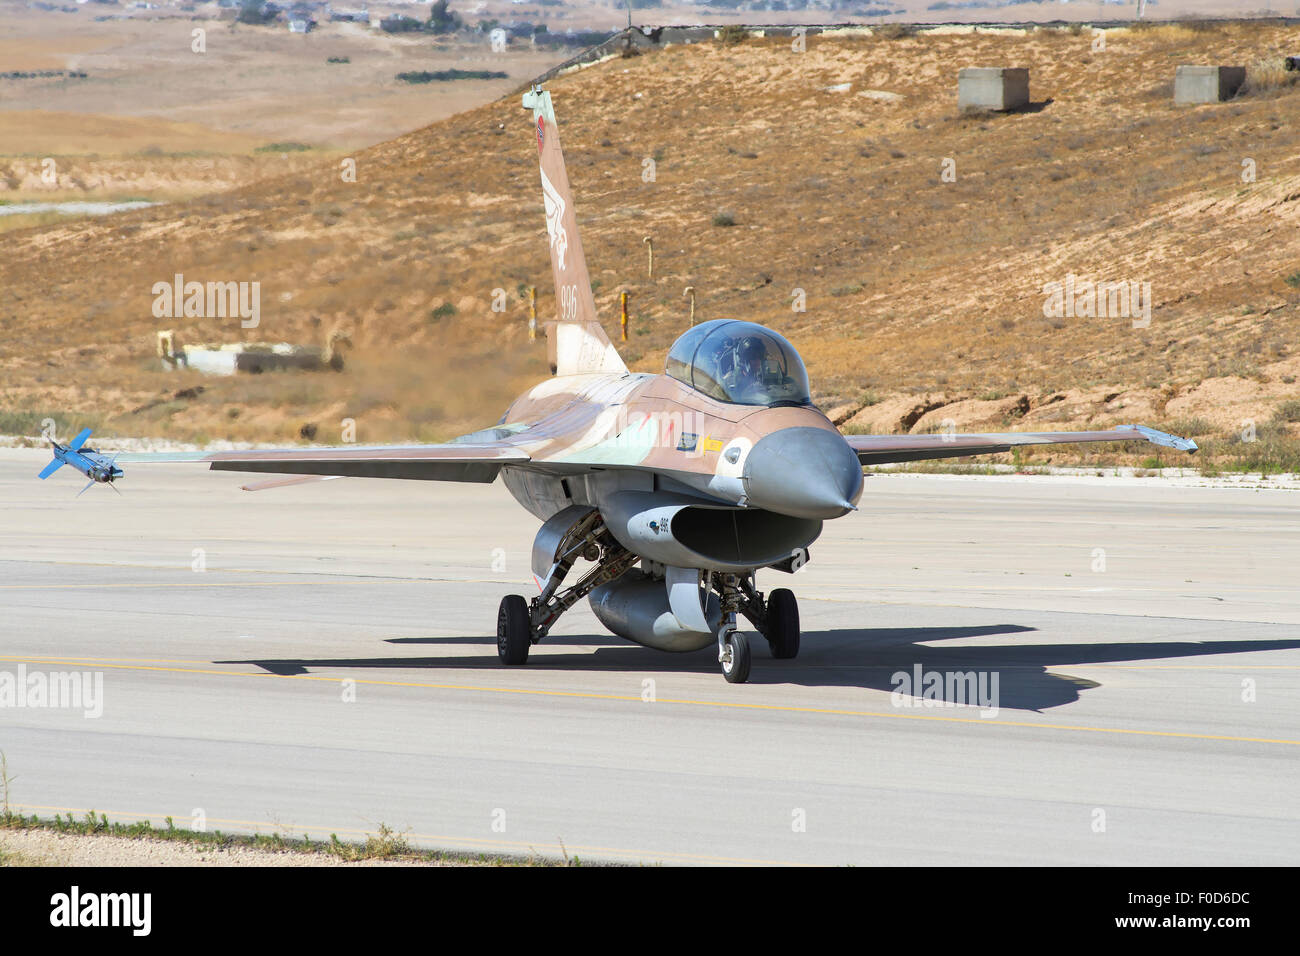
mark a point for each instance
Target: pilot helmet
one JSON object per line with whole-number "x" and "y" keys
{"x": 750, "y": 349}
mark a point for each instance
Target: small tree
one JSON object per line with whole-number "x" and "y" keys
{"x": 442, "y": 20}
{"x": 256, "y": 12}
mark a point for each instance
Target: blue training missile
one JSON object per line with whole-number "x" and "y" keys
{"x": 92, "y": 464}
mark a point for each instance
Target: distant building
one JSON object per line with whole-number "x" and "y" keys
{"x": 301, "y": 26}
{"x": 397, "y": 23}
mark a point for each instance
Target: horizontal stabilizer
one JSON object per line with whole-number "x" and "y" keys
{"x": 581, "y": 348}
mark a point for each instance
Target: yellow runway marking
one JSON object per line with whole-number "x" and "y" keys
{"x": 685, "y": 702}
{"x": 513, "y": 847}
{"x": 1137, "y": 667}
{"x": 101, "y": 587}
{"x": 1110, "y": 589}
{"x": 332, "y": 581}
{"x": 1195, "y": 667}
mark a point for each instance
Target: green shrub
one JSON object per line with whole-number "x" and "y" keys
{"x": 1288, "y": 411}
{"x": 440, "y": 76}
{"x": 283, "y": 148}
{"x": 1189, "y": 427}
{"x": 892, "y": 31}
{"x": 732, "y": 34}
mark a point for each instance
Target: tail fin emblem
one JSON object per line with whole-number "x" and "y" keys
{"x": 555, "y": 220}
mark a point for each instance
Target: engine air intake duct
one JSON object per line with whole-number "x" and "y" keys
{"x": 686, "y": 532}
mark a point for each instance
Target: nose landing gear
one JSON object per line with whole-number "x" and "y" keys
{"x": 776, "y": 618}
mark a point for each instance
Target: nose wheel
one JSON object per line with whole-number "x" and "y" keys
{"x": 733, "y": 654}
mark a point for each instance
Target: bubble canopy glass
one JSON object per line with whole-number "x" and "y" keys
{"x": 739, "y": 362}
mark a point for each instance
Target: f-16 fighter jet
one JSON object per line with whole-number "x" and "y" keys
{"x": 673, "y": 490}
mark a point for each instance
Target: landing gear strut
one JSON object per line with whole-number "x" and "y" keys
{"x": 521, "y": 624}
{"x": 580, "y": 532}
{"x": 776, "y": 618}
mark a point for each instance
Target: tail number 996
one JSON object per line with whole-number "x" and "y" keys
{"x": 568, "y": 303}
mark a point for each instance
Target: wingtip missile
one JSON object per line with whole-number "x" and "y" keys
{"x": 1164, "y": 438}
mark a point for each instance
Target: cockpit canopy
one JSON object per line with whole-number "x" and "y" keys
{"x": 739, "y": 362}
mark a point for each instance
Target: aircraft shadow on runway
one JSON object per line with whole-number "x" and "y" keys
{"x": 868, "y": 658}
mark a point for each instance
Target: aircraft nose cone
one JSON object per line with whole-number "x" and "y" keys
{"x": 805, "y": 472}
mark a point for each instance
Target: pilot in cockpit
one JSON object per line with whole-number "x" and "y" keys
{"x": 742, "y": 364}
{"x": 739, "y": 362}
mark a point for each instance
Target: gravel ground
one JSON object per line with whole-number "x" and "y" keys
{"x": 49, "y": 848}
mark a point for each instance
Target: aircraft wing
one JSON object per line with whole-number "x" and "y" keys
{"x": 883, "y": 449}
{"x": 454, "y": 461}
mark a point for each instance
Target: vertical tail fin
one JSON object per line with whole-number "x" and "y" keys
{"x": 577, "y": 342}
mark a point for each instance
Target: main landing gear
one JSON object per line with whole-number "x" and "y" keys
{"x": 776, "y": 618}
{"x": 521, "y": 623}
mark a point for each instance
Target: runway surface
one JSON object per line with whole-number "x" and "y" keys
{"x": 1145, "y": 638}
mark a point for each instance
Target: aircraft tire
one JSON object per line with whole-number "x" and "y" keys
{"x": 783, "y": 624}
{"x": 514, "y": 636}
{"x": 737, "y": 672}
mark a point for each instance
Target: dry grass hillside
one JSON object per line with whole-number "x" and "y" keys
{"x": 924, "y": 298}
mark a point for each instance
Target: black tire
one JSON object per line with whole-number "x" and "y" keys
{"x": 737, "y": 672}
{"x": 514, "y": 630}
{"x": 783, "y": 624}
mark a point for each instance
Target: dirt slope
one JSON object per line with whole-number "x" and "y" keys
{"x": 920, "y": 293}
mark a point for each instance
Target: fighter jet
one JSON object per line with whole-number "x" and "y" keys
{"x": 89, "y": 462}
{"x": 674, "y": 490}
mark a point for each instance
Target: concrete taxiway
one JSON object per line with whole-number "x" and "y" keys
{"x": 1145, "y": 637}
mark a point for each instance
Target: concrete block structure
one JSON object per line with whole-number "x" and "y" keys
{"x": 1207, "y": 84}
{"x": 251, "y": 357}
{"x": 993, "y": 88}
